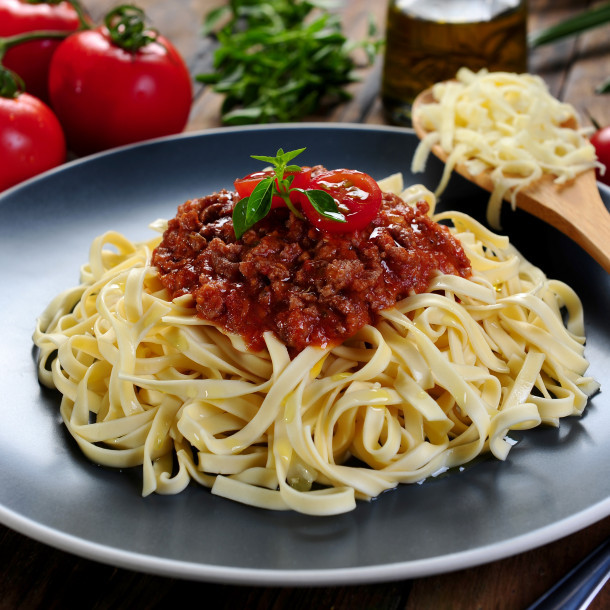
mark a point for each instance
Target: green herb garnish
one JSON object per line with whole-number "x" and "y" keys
{"x": 249, "y": 210}
{"x": 590, "y": 18}
{"x": 280, "y": 60}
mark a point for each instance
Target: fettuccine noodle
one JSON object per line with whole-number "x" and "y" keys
{"x": 441, "y": 379}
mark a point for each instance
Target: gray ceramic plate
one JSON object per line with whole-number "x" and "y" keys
{"x": 554, "y": 482}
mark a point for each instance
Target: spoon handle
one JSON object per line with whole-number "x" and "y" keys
{"x": 577, "y": 210}
{"x": 576, "y": 590}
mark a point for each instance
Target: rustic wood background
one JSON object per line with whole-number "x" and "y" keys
{"x": 572, "y": 68}
{"x": 34, "y": 575}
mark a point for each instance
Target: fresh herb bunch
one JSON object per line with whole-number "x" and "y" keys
{"x": 249, "y": 210}
{"x": 280, "y": 60}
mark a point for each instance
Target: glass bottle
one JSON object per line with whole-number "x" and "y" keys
{"x": 429, "y": 40}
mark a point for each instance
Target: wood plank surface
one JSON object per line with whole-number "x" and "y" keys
{"x": 37, "y": 576}
{"x": 572, "y": 68}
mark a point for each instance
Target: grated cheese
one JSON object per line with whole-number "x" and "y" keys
{"x": 506, "y": 123}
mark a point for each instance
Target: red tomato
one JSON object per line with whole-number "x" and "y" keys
{"x": 601, "y": 142}
{"x": 244, "y": 186}
{"x": 105, "y": 96}
{"x": 31, "y": 139}
{"x": 31, "y": 59}
{"x": 358, "y": 198}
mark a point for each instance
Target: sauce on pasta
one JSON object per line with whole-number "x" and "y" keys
{"x": 442, "y": 377}
{"x": 307, "y": 286}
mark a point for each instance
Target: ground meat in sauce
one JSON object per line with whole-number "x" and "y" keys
{"x": 284, "y": 275}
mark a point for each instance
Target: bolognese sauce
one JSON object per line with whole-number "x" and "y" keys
{"x": 307, "y": 286}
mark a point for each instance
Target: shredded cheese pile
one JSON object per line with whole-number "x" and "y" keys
{"x": 506, "y": 123}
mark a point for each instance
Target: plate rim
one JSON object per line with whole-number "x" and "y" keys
{"x": 142, "y": 562}
{"x": 188, "y": 570}
{"x": 185, "y": 135}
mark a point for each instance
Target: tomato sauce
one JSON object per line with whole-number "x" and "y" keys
{"x": 286, "y": 276}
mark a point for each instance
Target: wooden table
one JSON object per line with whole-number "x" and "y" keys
{"x": 37, "y": 576}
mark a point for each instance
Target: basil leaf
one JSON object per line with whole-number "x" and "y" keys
{"x": 249, "y": 210}
{"x": 265, "y": 159}
{"x": 281, "y": 158}
{"x": 289, "y": 156}
{"x": 259, "y": 202}
{"x": 239, "y": 217}
{"x": 325, "y": 205}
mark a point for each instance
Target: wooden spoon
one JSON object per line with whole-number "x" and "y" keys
{"x": 576, "y": 208}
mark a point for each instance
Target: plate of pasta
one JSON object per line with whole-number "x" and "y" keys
{"x": 144, "y": 427}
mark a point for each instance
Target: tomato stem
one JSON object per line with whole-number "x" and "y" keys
{"x": 11, "y": 84}
{"x": 12, "y": 41}
{"x": 286, "y": 197}
{"x": 127, "y": 29}
{"x": 85, "y": 22}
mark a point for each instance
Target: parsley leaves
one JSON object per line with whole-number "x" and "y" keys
{"x": 280, "y": 60}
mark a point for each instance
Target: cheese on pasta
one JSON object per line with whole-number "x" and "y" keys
{"x": 442, "y": 378}
{"x": 508, "y": 124}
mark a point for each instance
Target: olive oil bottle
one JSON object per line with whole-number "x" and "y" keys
{"x": 429, "y": 40}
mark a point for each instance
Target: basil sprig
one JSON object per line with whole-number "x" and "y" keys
{"x": 249, "y": 210}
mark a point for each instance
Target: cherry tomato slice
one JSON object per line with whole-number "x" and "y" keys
{"x": 358, "y": 198}
{"x": 244, "y": 186}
